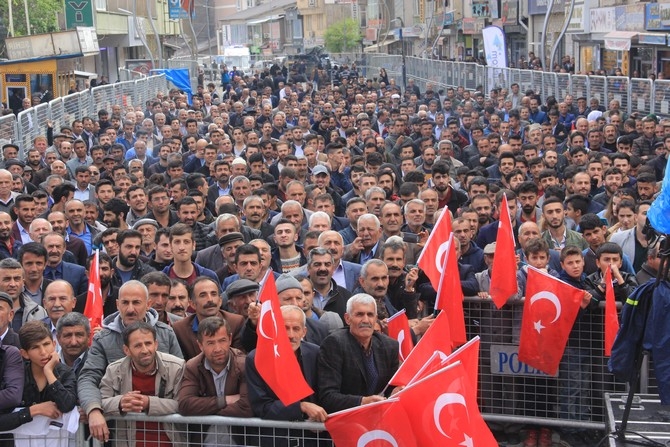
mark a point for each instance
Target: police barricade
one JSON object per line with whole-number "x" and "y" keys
{"x": 8, "y": 128}
{"x": 618, "y": 89}
{"x": 549, "y": 86}
{"x": 661, "y": 94}
{"x": 580, "y": 87}
{"x": 642, "y": 96}
{"x": 597, "y": 90}
{"x": 512, "y": 392}
{"x": 563, "y": 85}
{"x": 210, "y": 431}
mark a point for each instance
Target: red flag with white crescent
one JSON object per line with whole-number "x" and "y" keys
{"x": 431, "y": 260}
{"x": 398, "y": 327}
{"x": 275, "y": 360}
{"x": 94, "y": 302}
{"x": 611, "y": 317}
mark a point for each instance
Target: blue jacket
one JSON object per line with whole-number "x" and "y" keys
{"x": 74, "y": 274}
{"x": 199, "y": 271}
{"x": 645, "y": 324}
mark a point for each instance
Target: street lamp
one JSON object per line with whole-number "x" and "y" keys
{"x": 402, "y": 51}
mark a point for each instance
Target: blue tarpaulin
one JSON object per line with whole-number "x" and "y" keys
{"x": 179, "y": 77}
{"x": 660, "y": 208}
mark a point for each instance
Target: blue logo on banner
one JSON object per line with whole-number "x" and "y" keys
{"x": 176, "y": 11}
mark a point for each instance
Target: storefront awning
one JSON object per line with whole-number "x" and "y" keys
{"x": 379, "y": 47}
{"x": 619, "y": 40}
{"x": 652, "y": 38}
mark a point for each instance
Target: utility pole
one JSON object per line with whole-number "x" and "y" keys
{"x": 402, "y": 53}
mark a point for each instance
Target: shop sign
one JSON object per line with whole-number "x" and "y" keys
{"x": 652, "y": 17}
{"x": 537, "y": 7}
{"x": 630, "y": 17}
{"x": 602, "y": 20}
{"x": 510, "y": 12}
{"x": 579, "y": 22}
{"x": 473, "y": 26}
{"x": 78, "y": 13}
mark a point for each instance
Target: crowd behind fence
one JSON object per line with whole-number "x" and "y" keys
{"x": 509, "y": 392}
{"x": 30, "y": 123}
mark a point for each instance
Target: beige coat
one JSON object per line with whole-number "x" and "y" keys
{"x": 118, "y": 381}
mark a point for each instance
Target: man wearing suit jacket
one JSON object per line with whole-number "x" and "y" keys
{"x": 369, "y": 241}
{"x": 264, "y": 402}
{"x": 206, "y": 300}
{"x": 7, "y": 335}
{"x": 355, "y": 363}
{"x": 58, "y": 269}
{"x": 24, "y": 208}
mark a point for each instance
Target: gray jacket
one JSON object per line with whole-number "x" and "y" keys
{"x": 107, "y": 347}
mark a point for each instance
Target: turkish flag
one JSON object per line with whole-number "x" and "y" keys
{"x": 468, "y": 355}
{"x": 450, "y": 295}
{"x": 94, "y": 302}
{"x": 443, "y": 411}
{"x": 437, "y": 339}
{"x": 611, "y": 316}
{"x": 549, "y": 313}
{"x": 503, "y": 271}
{"x": 380, "y": 424}
{"x": 275, "y": 360}
{"x": 398, "y": 328}
{"x": 431, "y": 260}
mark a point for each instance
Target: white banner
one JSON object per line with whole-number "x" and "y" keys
{"x": 496, "y": 55}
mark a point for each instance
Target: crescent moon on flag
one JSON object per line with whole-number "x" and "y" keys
{"x": 265, "y": 308}
{"x": 444, "y": 400}
{"x": 552, "y": 298}
{"x": 401, "y": 339}
{"x": 441, "y": 253}
{"x": 376, "y": 435}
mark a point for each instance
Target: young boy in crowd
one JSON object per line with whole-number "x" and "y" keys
{"x": 574, "y": 374}
{"x": 50, "y": 387}
{"x": 610, "y": 254}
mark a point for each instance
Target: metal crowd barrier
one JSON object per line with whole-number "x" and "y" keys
{"x": 32, "y": 122}
{"x": 216, "y": 431}
{"x": 634, "y": 94}
{"x": 512, "y": 392}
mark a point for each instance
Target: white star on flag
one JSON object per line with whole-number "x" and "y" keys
{"x": 467, "y": 441}
{"x": 538, "y": 326}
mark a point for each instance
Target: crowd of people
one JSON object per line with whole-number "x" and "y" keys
{"x": 334, "y": 192}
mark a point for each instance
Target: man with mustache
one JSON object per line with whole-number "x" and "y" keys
{"x": 58, "y": 301}
{"x": 328, "y": 295}
{"x": 367, "y": 245}
{"x": 59, "y": 269}
{"x": 159, "y": 285}
{"x": 127, "y": 266}
{"x": 206, "y": 300}
{"x": 177, "y": 302}
{"x": 355, "y": 363}
{"x": 133, "y": 306}
{"x": 182, "y": 244}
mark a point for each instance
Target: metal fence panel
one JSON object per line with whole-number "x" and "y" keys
{"x": 510, "y": 390}
{"x": 597, "y": 89}
{"x": 549, "y": 85}
{"x": 218, "y": 431}
{"x": 580, "y": 87}
{"x": 525, "y": 80}
{"x": 642, "y": 97}
{"x": 536, "y": 82}
{"x": 57, "y": 112}
{"x": 618, "y": 89}
{"x": 71, "y": 109}
{"x": 8, "y": 129}
{"x": 563, "y": 85}
{"x": 661, "y": 94}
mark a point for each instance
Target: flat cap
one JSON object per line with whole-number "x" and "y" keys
{"x": 141, "y": 222}
{"x": 7, "y": 299}
{"x": 490, "y": 248}
{"x": 241, "y": 286}
{"x": 230, "y": 237}
{"x": 286, "y": 282}
{"x": 14, "y": 162}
